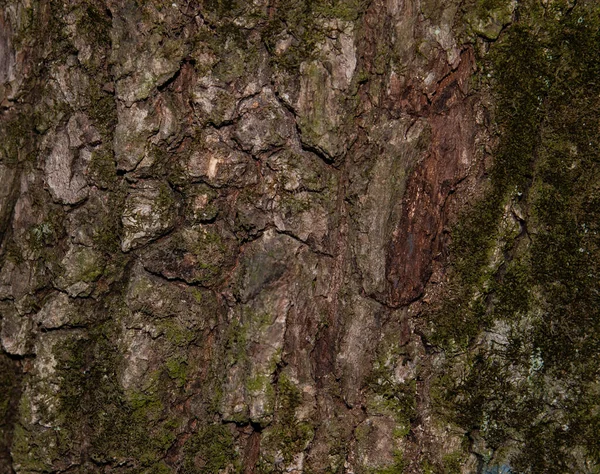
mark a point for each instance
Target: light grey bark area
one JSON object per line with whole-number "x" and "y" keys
{"x": 224, "y": 225}
{"x": 196, "y": 269}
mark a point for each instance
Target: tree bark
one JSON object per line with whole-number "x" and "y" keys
{"x": 299, "y": 236}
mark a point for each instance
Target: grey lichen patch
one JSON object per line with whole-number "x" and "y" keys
{"x": 135, "y": 124}
{"x": 320, "y": 112}
{"x": 150, "y": 211}
{"x": 82, "y": 268}
{"x": 263, "y": 124}
{"x": 65, "y": 172}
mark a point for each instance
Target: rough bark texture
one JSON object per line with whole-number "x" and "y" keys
{"x": 310, "y": 236}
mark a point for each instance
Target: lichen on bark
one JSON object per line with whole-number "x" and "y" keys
{"x": 299, "y": 236}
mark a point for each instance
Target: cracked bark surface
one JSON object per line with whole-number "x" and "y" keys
{"x": 243, "y": 236}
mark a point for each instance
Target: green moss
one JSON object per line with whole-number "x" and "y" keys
{"x": 453, "y": 462}
{"x": 397, "y": 467}
{"x": 17, "y": 136}
{"x": 205, "y": 212}
{"x": 212, "y": 252}
{"x": 261, "y": 386}
{"x": 165, "y": 199}
{"x": 86, "y": 371}
{"x": 33, "y": 457}
{"x": 487, "y": 18}
{"x": 160, "y": 468}
{"x": 346, "y": 10}
{"x": 90, "y": 266}
{"x": 427, "y": 467}
{"x": 389, "y": 396}
{"x": 293, "y": 205}
{"x": 395, "y": 399}
{"x": 286, "y": 436}
{"x": 102, "y": 170}
{"x": 236, "y": 340}
{"x": 522, "y": 305}
{"x": 89, "y": 394}
{"x": 117, "y": 427}
{"x": 42, "y": 235}
{"x": 102, "y": 108}
{"x": 175, "y": 333}
{"x": 237, "y": 49}
{"x": 146, "y": 406}
{"x": 43, "y": 238}
{"x": 177, "y": 368}
{"x": 304, "y": 21}
{"x": 258, "y": 383}
{"x": 225, "y": 8}
{"x": 520, "y": 70}
{"x": 107, "y": 230}
{"x": 210, "y": 451}
{"x": 238, "y": 333}
{"x": 95, "y": 25}
{"x": 8, "y": 376}
{"x": 10, "y": 380}
{"x": 198, "y": 296}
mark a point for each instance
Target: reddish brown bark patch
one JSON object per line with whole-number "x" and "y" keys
{"x": 416, "y": 240}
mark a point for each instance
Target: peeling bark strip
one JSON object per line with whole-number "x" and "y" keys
{"x": 417, "y": 239}
{"x": 286, "y": 236}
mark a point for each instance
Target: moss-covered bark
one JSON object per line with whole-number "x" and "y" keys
{"x": 523, "y": 306}
{"x": 299, "y": 236}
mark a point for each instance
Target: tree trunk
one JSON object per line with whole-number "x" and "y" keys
{"x": 321, "y": 236}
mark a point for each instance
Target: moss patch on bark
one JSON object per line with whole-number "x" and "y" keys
{"x": 521, "y": 317}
